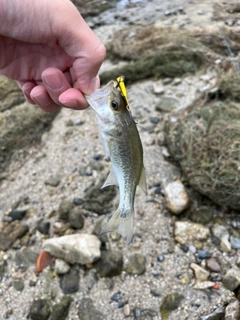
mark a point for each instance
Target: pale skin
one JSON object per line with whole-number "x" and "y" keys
{"x": 47, "y": 47}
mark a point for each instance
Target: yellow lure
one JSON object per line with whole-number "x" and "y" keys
{"x": 121, "y": 84}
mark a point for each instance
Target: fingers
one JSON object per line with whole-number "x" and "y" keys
{"x": 54, "y": 92}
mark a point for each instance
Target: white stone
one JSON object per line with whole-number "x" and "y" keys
{"x": 188, "y": 232}
{"x": 176, "y": 197}
{"x": 200, "y": 273}
{"x": 74, "y": 248}
{"x": 61, "y": 267}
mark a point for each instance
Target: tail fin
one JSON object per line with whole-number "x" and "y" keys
{"x": 122, "y": 223}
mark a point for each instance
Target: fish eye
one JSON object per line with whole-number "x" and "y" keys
{"x": 114, "y": 105}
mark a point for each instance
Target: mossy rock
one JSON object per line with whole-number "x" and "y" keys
{"x": 206, "y": 143}
{"x": 21, "y": 127}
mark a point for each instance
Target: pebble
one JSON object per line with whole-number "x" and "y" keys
{"x": 221, "y": 234}
{"x": 53, "y": 181}
{"x": 61, "y": 308}
{"x": 11, "y": 233}
{"x": 74, "y": 248}
{"x": 136, "y": 264}
{"x": 231, "y": 279}
{"x": 232, "y": 311}
{"x": 235, "y": 243}
{"x": 158, "y": 88}
{"x": 137, "y": 313}
{"x": 186, "y": 232}
{"x": 99, "y": 200}
{"x": 167, "y": 104}
{"x": 87, "y": 310}
{"x": 61, "y": 267}
{"x": 126, "y": 310}
{"x": 213, "y": 265}
{"x": 225, "y": 245}
{"x": 202, "y": 215}
{"x": 17, "y": 214}
{"x": 177, "y": 199}
{"x": 170, "y": 303}
{"x": 160, "y": 258}
{"x": 64, "y": 208}
{"x": 200, "y": 273}
{"x": 43, "y": 227}
{"x": 18, "y": 284}
{"x": 215, "y": 315}
{"x": 40, "y": 309}
{"x": 203, "y": 254}
{"x": 69, "y": 282}
{"x": 202, "y": 285}
{"x": 110, "y": 264}
{"x": 78, "y": 201}
{"x": 75, "y": 218}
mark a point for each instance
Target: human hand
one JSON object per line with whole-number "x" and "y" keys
{"x": 48, "y": 48}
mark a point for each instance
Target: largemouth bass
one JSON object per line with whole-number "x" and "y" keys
{"x": 123, "y": 147}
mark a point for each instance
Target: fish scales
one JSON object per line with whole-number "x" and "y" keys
{"x": 123, "y": 146}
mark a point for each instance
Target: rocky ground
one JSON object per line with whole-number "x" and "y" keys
{"x": 184, "y": 260}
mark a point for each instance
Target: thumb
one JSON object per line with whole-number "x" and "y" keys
{"x": 80, "y": 43}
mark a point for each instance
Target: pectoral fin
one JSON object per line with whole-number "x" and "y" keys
{"x": 143, "y": 181}
{"x": 111, "y": 180}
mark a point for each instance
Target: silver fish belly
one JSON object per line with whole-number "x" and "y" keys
{"x": 123, "y": 146}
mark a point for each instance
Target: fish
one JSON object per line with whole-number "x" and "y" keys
{"x": 123, "y": 146}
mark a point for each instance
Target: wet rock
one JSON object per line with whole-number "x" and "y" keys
{"x": 17, "y": 214}
{"x": 64, "y": 208}
{"x": 186, "y": 232}
{"x": 53, "y": 181}
{"x": 232, "y": 311}
{"x": 231, "y": 279}
{"x": 176, "y": 197}
{"x": 235, "y": 243}
{"x": 99, "y": 200}
{"x": 18, "y": 284}
{"x": 110, "y": 264}
{"x": 60, "y": 309}
{"x": 43, "y": 227}
{"x": 213, "y": 265}
{"x": 200, "y": 273}
{"x": 218, "y": 314}
{"x": 69, "y": 282}
{"x": 40, "y": 309}
{"x": 11, "y": 233}
{"x": 136, "y": 264}
{"x": 87, "y": 310}
{"x": 61, "y": 267}
{"x": 75, "y": 218}
{"x": 170, "y": 303}
{"x": 75, "y": 248}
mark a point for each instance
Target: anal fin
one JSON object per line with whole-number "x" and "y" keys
{"x": 111, "y": 180}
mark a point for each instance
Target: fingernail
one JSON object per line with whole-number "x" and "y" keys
{"x": 54, "y": 82}
{"x": 91, "y": 86}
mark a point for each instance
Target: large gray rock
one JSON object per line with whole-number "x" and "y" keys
{"x": 74, "y": 248}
